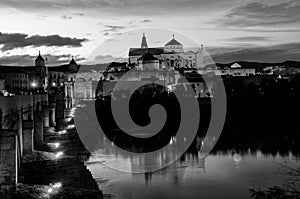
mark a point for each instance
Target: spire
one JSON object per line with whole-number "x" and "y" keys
{"x": 39, "y": 57}
{"x": 73, "y": 61}
{"x": 144, "y": 42}
{"x": 173, "y": 36}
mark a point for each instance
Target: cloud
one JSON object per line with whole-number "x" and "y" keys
{"x": 248, "y": 39}
{"x": 66, "y": 17}
{"x": 122, "y": 7}
{"x": 256, "y": 14}
{"x": 79, "y": 14}
{"x": 276, "y": 53}
{"x": 146, "y": 21}
{"x": 112, "y": 28}
{"x": 28, "y": 60}
{"x": 108, "y": 59}
{"x": 19, "y": 40}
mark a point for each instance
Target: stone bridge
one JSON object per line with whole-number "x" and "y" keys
{"x": 29, "y": 123}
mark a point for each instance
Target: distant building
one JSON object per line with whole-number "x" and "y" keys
{"x": 172, "y": 55}
{"x": 22, "y": 79}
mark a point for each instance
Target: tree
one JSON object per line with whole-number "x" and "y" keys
{"x": 291, "y": 189}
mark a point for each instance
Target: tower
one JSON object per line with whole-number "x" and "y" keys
{"x": 40, "y": 63}
{"x": 144, "y": 42}
{"x": 41, "y": 71}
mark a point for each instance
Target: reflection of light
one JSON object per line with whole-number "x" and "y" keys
{"x": 58, "y": 154}
{"x": 184, "y": 139}
{"x": 68, "y": 119}
{"x": 56, "y": 144}
{"x": 62, "y": 132}
{"x": 50, "y": 190}
{"x": 237, "y": 158}
{"x": 71, "y": 126}
{"x": 57, "y": 185}
{"x": 171, "y": 141}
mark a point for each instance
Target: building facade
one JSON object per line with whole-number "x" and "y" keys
{"x": 172, "y": 55}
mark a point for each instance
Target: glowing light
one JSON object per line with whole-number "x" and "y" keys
{"x": 56, "y": 144}
{"x": 33, "y": 84}
{"x": 57, "y": 185}
{"x": 68, "y": 119}
{"x": 71, "y": 126}
{"x": 50, "y": 190}
{"x": 58, "y": 154}
{"x": 62, "y": 132}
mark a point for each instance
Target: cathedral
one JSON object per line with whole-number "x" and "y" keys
{"x": 171, "y": 55}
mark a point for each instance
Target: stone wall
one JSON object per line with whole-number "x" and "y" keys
{"x": 8, "y": 159}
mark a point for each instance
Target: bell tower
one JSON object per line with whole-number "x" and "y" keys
{"x": 144, "y": 42}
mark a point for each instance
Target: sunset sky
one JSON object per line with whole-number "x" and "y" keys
{"x": 231, "y": 30}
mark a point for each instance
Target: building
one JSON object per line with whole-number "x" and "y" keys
{"x": 39, "y": 78}
{"x": 172, "y": 54}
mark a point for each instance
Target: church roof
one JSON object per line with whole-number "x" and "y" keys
{"x": 142, "y": 51}
{"x": 147, "y": 57}
{"x": 173, "y": 42}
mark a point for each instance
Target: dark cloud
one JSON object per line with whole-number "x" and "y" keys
{"x": 276, "y": 53}
{"x": 107, "y": 59}
{"x": 19, "y": 40}
{"x": 79, "y": 14}
{"x": 248, "y": 39}
{"x": 66, "y": 17}
{"x": 146, "y": 21}
{"x": 28, "y": 60}
{"x": 123, "y": 7}
{"x": 112, "y": 28}
{"x": 261, "y": 14}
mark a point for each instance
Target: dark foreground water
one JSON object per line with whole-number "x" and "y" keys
{"x": 222, "y": 175}
{"x": 259, "y": 138}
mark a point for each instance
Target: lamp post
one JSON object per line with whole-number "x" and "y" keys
{"x": 33, "y": 85}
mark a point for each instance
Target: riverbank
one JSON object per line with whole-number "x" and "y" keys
{"x": 57, "y": 169}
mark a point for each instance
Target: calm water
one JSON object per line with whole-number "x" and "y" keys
{"x": 237, "y": 165}
{"x": 222, "y": 175}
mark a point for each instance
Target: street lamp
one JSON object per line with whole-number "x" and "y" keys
{"x": 34, "y": 84}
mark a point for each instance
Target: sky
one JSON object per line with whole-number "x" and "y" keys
{"x": 231, "y": 30}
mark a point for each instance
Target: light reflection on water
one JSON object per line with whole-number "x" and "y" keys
{"x": 222, "y": 175}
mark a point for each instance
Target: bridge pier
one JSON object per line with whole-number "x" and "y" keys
{"x": 28, "y": 135}
{"x": 45, "y": 111}
{"x": 52, "y": 122}
{"x": 38, "y": 126}
{"x": 59, "y": 111}
{"x": 9, "y": 159}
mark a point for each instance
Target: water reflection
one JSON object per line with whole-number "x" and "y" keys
{"x": 238, "y": 162}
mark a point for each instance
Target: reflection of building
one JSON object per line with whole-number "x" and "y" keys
{"x": 172, "y": 55}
